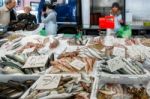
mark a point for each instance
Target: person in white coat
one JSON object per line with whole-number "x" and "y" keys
{"x": 49, "y": 19}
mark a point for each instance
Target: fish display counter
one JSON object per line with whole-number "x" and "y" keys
{"x": 45, "y": 56}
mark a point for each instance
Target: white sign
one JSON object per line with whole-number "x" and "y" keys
{"x": 77, "y": 64}
{"x": 29, "y": 50}
{"x": 48, "y": 82}
{"x": 36, "y": 61}
{"x": 119, "y": 52}
{"x": 115, "y": 64}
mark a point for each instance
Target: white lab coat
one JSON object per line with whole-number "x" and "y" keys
{"x": 50, "y": 22}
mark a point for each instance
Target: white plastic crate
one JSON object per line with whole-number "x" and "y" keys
{"x": 124, "y": 77}
{"x": 20, "y": 78}
{"x": 35, "y": 84}
{"x": 99, "y": 82}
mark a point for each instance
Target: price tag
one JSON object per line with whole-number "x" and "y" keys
{"x": 48, "y": 82}
{"x": 115, "y": 64}
{"x": 36, "y": 61}
{"x": 119, "y": 52}
{"x": 29, "y": 50}
{"x": 109, "y": 41}
{"x": 77, "y": 64}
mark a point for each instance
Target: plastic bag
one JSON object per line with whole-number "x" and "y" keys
{"x": 124, "y": 32}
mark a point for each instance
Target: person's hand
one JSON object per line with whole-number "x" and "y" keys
{"x": 43, "y": 13}
{"x": 121, "y": 21}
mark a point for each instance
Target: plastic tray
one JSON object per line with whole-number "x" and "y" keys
{"x": 50, "y": 71}
{"x": 101, "y": 81}
{"x": 35, "y": 84}
{"x": 20, "y": 78}
{"x": 114, "y": 77}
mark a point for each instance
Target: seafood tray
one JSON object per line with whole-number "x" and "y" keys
{"x": 107, "y": 89}
{"x": 54, "y": 70}
{"x": 98, "y": 71}
{"x": 13, "y": 87}
{"x": 61, "y": 86}
{"x": 14, "y": 66}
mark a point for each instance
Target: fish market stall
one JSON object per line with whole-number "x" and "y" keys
{"x": 74, "y": 62}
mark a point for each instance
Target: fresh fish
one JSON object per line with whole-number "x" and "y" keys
{"x": 131, "y": 67}
{"x": 69, "y": 88}
{"x": 94, "y": 53}
{"x": 17, "y": 58}
{"x": 78, "y": 89}
{"x": 15, "y": 46}
{"x": 85, "y": 77}
{"x": 12, "y": 70}
{"x": 2, "y": 42}
{"x": 4, "y": 59}
{"x": 58, "y": 96}
{"x": 107, "y": 92}
{"x": 36, "y": 70}
{"x": 27, "y": 71}
{"x": 11, "y": 64}
{"x": 42, "y": 94}
{"x": 32, "y": 95}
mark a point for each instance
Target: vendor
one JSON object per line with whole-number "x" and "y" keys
{"x": 49, "y": 19}
{"x": 115, "y": 11}
{"x": 27, "y": 15}
{"x": 5, "y": 11}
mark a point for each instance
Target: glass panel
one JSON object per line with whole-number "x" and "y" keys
{"x": 137, "y": 11}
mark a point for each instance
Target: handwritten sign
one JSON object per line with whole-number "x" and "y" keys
{"x": 119, "y": 52}
{"x": 77, "y": 64}
{"x": 36, "y": 61}
{"x": 48, "y": 82}
{"x": 115, "y": 64}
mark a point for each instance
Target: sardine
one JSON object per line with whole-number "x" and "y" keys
{"x": 94, "y": 53}
{"x": 12, "y": 70}
{"x": 42, "y": 94}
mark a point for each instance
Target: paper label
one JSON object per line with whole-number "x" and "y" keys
{"x": 36, "y": 61}
{"x": 77, "y": 64}
{"x": 48, "y": 82}
{"x": 109, "y": 41}
{"x": 119, "y": 52}
{"x": 72, "y": 48}
{"x": 115, "y": 64}
{"x": 29, "y": 50}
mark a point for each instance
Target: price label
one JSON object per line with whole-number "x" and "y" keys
{"x": 48, "y": 82}
{"x": 119, "y": 52}
{"x": 77, "y": 64}
{"x": 29, "y": 50}
{"x": 115, "y": 64}
{"x": 36, "y": 61}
